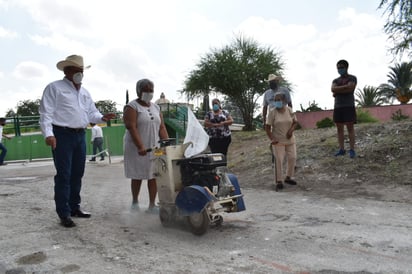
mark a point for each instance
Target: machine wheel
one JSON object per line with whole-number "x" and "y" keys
{"x": 199, "y": 222}
{"x": 165, "y": 216}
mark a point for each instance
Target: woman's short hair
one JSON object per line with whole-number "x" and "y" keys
{"x": 215, "y": 100}
{"x": 141, "y": 84}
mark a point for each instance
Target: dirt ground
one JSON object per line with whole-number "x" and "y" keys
{"x": 345, "y": 215}
{"x": 381, "y": 171}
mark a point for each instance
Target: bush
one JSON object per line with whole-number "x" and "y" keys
{"x": 365, "y": 117}
{"x": 324, "y": 123}
{"x": 398, "y": 116}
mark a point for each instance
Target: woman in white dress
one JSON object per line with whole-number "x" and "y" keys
{"x": 144, "y": 127}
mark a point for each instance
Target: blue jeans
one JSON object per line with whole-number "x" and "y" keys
{"x": 98, "y": 145}
{"x": 69, "y": 160}
{"x": 3, "y": 153}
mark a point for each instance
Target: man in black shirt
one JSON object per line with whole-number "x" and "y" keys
{"x": 344, "y": 112}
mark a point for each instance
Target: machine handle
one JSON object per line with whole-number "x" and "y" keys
{"x": 163, "y": 143}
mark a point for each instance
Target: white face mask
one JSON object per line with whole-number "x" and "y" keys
{"x": 77, "y": 78}
{"x": 147, "y": 97}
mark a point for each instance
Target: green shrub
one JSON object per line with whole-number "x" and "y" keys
{"x": 324, "y": 123}
{"x": 398, "y": 116}
{"x": 365, "y": 117}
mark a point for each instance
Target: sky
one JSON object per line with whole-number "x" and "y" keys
{"x": 163, "y": 40}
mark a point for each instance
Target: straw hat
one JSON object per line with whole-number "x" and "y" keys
{"x": 273, "y": 77}
{"x": 72, "y": 61}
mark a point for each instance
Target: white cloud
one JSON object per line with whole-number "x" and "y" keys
{"x": 4, "y": 4}
{"x": 4, "y": 33}
{"x": 310, "y": 55}
{"x": 31, "y": 78}
{"x": 30, "y": 70}
{"x": 275, "y": 33}
{"x": 128, "y": 40}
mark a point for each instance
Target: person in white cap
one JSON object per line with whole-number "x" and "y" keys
{"x": 66, "y": 108}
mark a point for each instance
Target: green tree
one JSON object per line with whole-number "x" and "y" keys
{"x": 399, "y": 83}
{"x": 28, "y": 108}
{"x": 10, "y": 113}
{"x": 233, "y": 110}
{"x": 369, "y": 96}
{"x": 398, "y": 24}
{"x": 106, "y": 106}
{"x": 237, "y": 71}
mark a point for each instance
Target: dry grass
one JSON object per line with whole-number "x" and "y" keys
{"x": 384, "y": 158}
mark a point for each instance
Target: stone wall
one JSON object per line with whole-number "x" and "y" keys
{"x": 382, "y": 113}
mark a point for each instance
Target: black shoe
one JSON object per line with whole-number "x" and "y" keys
{"x": 279, "y": 186}
{"x": 102, "y": 159}
{"x": 67, "y": 222}
{"x": 92, "y": 160}
{"x": 3, "y": 164}
{"x": 290, "y": 181}
{"x": 81, "y": 214}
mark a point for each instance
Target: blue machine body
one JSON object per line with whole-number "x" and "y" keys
{"x": 194, "y": 198}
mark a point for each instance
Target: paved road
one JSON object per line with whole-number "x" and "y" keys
{"x": 280, "y": 232}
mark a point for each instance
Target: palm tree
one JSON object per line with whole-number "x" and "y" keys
{"x": 370, "y": 96}
{"x": 399, "y": 83}
{"x": 398, "y": 24}
{"x": 236, "y": 71}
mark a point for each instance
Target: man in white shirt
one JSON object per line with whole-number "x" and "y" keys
{"x": 97, "y": 141}
{"x": 66, "y": 108}
{"x": 2, "y": 147}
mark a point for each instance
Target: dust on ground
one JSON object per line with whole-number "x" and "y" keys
{"x": 345, "y": 216}
{"x": 381, "y": 171}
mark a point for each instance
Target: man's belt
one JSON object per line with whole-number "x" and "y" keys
{"x": 78, "y": 130}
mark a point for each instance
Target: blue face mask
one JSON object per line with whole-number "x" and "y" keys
{"x": 341, "y": 71}
{"x": 278, "y": 104}
{"x": 215, "y": 107}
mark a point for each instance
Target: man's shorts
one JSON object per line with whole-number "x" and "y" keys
{"x": 344, "y": 115}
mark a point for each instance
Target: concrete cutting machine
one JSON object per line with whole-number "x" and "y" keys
{"x": 196, "y": 189}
